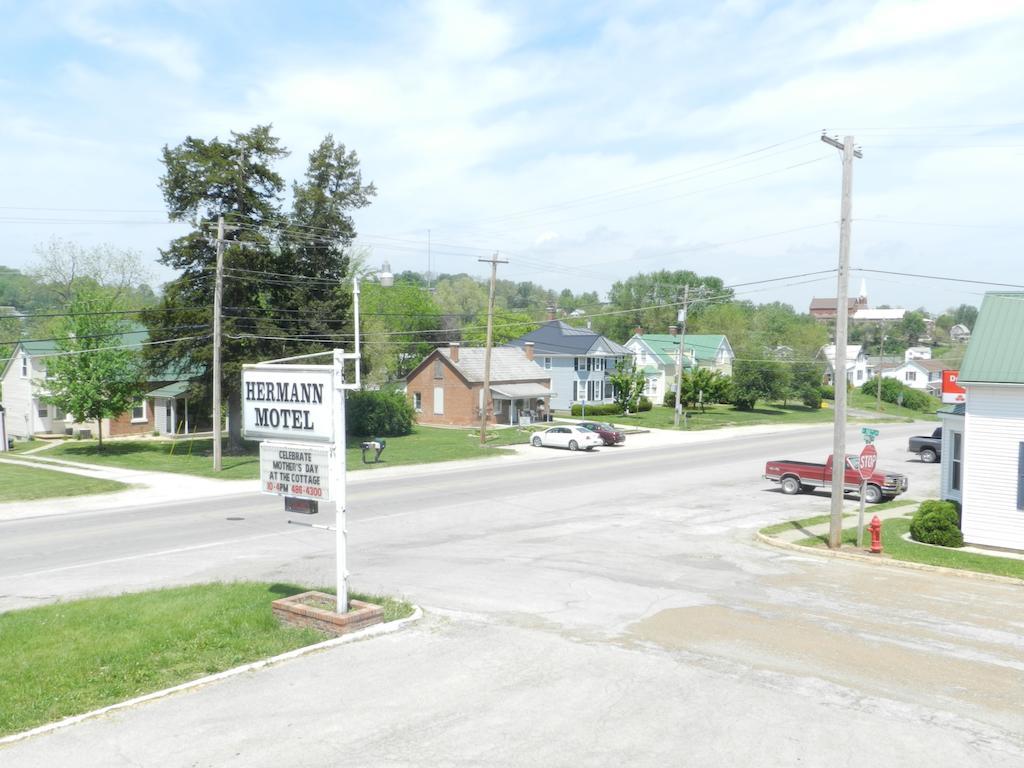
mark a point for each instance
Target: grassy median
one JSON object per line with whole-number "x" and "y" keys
{"x": 898, "y": 548}
{"x": 68, "y": 658}
{"x": 24, "y": 483}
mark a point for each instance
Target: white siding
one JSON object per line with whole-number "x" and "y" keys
{"x": 18, "y": 399}
{"x": 994, "y": 429}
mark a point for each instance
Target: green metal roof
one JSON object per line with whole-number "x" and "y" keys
{"x": 665, "y": 345}
{"x": 995, "y": 353}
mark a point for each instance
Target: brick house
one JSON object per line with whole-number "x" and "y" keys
{"x": 446, "y": 388}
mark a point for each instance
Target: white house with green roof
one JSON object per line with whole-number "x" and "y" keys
{"x": 163, "y": 409}
{"x": 991, "y": 459}
{"x": 656, "y": 353}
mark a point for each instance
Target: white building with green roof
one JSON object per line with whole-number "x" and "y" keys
{"x": 992, "y": 442}
{"x": 656, "y": 354}
{"x": 164, "y": 408}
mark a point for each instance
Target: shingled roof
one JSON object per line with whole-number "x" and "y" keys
{"x": 559, "y": 338}
{"x": 507, "y": 364}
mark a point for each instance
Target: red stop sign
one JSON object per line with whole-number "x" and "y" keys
{"x": 868, "y": 460}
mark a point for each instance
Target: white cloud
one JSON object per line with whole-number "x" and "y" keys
{"x": 173, "y": 53}
{"x": 899, "y": 22}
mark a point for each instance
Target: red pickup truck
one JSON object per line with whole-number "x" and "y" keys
{"x": 797, "y": 476}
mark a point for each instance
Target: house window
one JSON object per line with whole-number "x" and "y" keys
{"x": 438, "y": 369}
{"x": 547, "y": 363}
{"x": 958, "y": 460}
{"x": 417, "y": 401}
{"x": 576, "y": 365}
{"x": 439, "y": 401}
{"x": 58, "y": 413}
{"x": 43, "y": 412}
{"x": 139, "y": 412}
{"x": 911, "y": 376}
{"x": 860, "y": 375}
{"x": 24, "y": 366}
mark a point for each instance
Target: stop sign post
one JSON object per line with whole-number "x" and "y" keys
{"x": 866, "y": 467}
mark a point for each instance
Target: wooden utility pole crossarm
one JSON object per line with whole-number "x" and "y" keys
{"x": 485, "y": 400}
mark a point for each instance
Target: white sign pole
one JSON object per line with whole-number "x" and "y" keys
{"x": 339, "y": 480}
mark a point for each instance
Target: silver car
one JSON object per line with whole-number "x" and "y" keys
{"x": 573, "y": 438}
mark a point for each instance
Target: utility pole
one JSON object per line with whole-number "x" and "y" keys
{"x": 485, "y": 401}
{"x": 835, "y": 530}
{"x": 881, "y": 367}
{"x": 679, "y": 354}
{"x": 218, "y": 290}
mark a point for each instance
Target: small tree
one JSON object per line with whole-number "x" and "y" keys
{"x": 754, "y": 380}
{"x": 629, "y": 384}
{"x": 94, "y": 377}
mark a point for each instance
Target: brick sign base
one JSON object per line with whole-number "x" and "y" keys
{"x": 301, "y": 611}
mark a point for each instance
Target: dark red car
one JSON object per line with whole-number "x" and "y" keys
{"x": 609, "y": 434}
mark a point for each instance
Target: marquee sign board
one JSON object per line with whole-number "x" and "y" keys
{"x": 290, "y": 403}
{"x": 299, "y": 470}
{"x": 952, "y": 392}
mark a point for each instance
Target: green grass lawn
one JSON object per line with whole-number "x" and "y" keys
{"x": 898, "y": 548}
{"x": 807, "y": 522}
{"x": 20, "y": 446}
{"x": 717, "y": 416}
{"x": 24, "y": 483}
{"x": 863, "y": 402}
{"x": 194, "y": 457}
{"x": 68, "y": 658}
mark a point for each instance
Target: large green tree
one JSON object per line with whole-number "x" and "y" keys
{"x": 285, "y": 288}
{"x": 94, "y": 377}
{"x": 652, "y": 301}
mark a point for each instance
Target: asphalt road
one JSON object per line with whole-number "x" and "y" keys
{"x": 585, "y": 609}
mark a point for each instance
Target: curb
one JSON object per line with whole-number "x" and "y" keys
{"x": 840, "y": 555}
{"x": 378, "y": 629}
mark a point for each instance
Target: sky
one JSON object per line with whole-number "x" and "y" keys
{"x": 582, "y": 141}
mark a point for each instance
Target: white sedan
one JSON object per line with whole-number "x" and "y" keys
{"x": 572, "y": 438}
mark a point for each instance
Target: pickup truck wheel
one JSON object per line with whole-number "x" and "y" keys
{"x": 790, "y": 485}
{"x": 928, "y": 455}
{"x": 573, "y": 445}
{"x": 872, "y": 494}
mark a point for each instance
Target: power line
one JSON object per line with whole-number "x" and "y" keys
{"x": 937, "y": 277}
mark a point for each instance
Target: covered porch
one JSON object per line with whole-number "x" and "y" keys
{"x": 521, "y": 403}
{"x": 171, "y": 409}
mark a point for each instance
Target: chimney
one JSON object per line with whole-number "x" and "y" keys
{"x": 551, "y": 313}
{"x": 453, "y": 351}
{"x": 638, "y": 331}
{"x": 528, "y": 349}
{"x": 673, "y": 330}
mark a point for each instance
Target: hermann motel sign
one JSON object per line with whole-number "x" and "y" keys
{"x": 298, "y": 411}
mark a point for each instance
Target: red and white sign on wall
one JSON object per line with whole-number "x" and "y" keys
{"x": 952, "y": 392}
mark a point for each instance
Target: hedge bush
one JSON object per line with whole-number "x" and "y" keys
{"x": 828, "y": 392}
{"x": 644, "y": 404}
{"x": 378, "y": 413}
{"x": 914, "y": 399}
{"x": 937, "y": 522}
{"x": 597, "y": 410}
